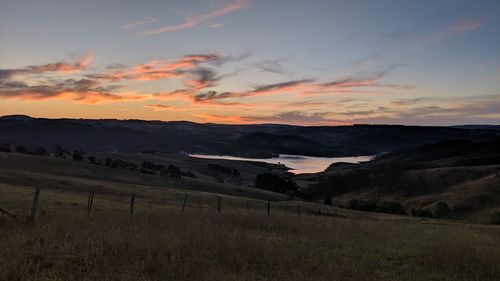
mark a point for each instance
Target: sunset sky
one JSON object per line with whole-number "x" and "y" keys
{"x": 318, "y": 62}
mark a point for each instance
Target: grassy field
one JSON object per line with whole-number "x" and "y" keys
{"x": 163, "y": 243}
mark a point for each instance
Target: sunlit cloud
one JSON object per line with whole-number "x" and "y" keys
{"x": 80, "y": 63}
{"x": 162, "y": 107}
{"x": 134, "y": 24}
{"x": 192, "y": 21}
{"x": 76, "y": 90}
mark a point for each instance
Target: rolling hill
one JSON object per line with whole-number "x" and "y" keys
{"x": 263, "y": 140}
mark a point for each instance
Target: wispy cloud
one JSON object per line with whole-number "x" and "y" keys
{"x": 307, "y": 87}
{"x": 163, "y": 107}
{"x": 80, "y": 91}
{"x": 458, "y": 28}
{"x": 146, "y": 20}
{"x": 192, "y": 21}
{"x": 217, "y": 25}
{"x": 80, "y": 63}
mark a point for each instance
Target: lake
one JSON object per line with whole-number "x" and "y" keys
{"x": 299, "y": 164}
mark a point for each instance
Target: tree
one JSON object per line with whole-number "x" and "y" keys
{"x": 92, "y": 160}
{"x": 22, "y": 149}
{"x": 174, "y": 171}
{"x": 5, "y": 148}
{"x": 328, "y": 200}
{"x": 78, "y": 155}
{"x": 59, "y": 151}
{"x": 275, "y": 183}
{"x": 442, "y": 210}
{"x": 41, "y": 151}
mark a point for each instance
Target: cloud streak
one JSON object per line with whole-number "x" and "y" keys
{"x": 81, "y": 63}
{"x": 146, "y": 20}
{"x": 81, "y": 91}
{"x": 192, "y": 21}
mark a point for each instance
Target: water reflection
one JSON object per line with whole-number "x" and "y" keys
{"x": 299, "y": 164}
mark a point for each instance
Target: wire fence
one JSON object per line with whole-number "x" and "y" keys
{"x": 28, "y": 206}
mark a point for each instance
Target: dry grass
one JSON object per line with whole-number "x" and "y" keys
{"x": 206, "y": 245}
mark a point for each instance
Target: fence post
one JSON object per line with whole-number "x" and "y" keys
{"x": 299, "y": 210}
{"x": 319, "y": 212}
{"x": 90, "y": 202}
{"x": 219, "y": 203}
{"x": 35, "y": 205}
{"x": 286, "y": 206}
{"x": 248, "y": 207}
{"x": 268, "y": 208}
{"x": 132, "y": 205}
{"x": 184, "y": 204}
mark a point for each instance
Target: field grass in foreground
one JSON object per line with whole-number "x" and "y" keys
{"x": 206, "y": 245}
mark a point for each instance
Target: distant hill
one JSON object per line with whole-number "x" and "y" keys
{"x": 266, "y": 140}
{"x": 462, "y": 176}
{"x": 481, "y": 127}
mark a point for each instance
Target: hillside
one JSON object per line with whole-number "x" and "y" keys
{"x": 239, "y": 140}
{"x": 451, "y": 179}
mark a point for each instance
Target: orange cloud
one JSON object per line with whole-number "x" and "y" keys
{"x": 160, "y": 69}
{"x": 162, "y": 107}
{"x": 80, "y": 64}
{"x": 190, "y": 22}
{"x": 80, "y": 91}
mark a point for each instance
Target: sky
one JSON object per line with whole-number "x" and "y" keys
{"x": 316, "y": 62}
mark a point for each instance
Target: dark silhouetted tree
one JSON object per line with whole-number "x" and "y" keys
{"x": 59, "y": 151}
{"x": 275, "y": 183}
{"x": 22, "y": 149}
{"x": 5, "y": 148}
{"x": 78, "y": 155}
{"x": 92, "y": 160}
{"x": 174, "y": 171}
{"x": 41, "y": 151}
{"x": 328, "y": 200}
{"x": 442, "y": 210}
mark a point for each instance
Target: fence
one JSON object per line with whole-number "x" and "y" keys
{"x": 188, "y": 202}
